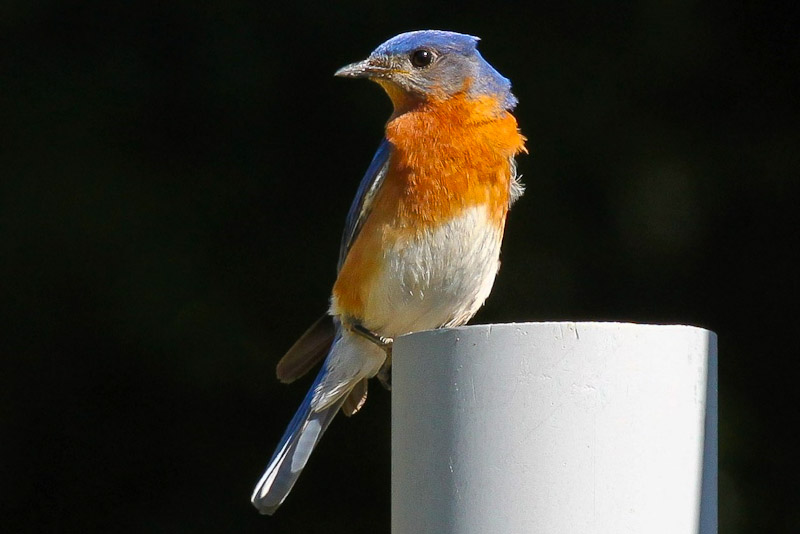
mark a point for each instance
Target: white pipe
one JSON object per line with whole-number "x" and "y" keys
{"x": 601, "y": 428}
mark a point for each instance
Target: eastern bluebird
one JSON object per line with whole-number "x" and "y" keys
{"x": 421, "y": 244}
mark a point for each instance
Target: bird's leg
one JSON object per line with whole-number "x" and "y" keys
{"x": 385, "y": 343}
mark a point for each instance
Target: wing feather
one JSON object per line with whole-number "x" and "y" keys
{"x": 307, "y": 351}
{"x": 314, "y": 344}
{"x": 362, "y": 204}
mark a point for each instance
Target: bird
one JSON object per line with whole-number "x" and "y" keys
{"x": 421, "y": 244}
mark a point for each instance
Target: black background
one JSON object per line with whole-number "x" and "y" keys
{"x": 175, "y": 178}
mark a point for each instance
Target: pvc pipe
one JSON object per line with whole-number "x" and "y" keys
{"x": 602, "y": 428}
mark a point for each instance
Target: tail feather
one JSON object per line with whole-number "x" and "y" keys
{"x": 292, "y": 453}
{"x": 351, "y": 361}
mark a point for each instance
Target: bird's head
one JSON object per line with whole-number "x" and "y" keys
{"x": 429, "y": 65}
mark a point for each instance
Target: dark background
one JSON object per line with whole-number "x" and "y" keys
{"x": 175, "y": 179}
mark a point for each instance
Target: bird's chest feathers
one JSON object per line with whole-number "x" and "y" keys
{"x": 450, "y": 155}
{"x": 428, "y": 252}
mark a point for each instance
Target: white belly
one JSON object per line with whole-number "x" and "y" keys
{"x": 438, "y": 277}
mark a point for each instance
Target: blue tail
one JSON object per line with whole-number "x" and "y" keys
{"x": 289, "y": 459}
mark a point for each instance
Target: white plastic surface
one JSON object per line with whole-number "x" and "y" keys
{"x": 591, "y": 428}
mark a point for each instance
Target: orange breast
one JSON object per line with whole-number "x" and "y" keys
{"x": 446, "y": 156}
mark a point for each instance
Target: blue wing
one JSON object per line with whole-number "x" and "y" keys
{"x": 308, "y": 425}
{"x": 362, "y": 204}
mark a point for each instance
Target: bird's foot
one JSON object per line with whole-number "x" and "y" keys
{"x": 384, "y": 343}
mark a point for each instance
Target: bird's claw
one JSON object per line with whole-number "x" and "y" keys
{"x": 384, "y": 343}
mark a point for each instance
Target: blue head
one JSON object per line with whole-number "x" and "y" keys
{"x": 424, "y": 65}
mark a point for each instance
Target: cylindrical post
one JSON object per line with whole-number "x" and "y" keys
{"x": 597, "y": 428}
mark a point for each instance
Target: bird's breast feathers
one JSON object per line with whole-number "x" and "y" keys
{"x": 451, "y": 154}
{"x": 428, "y": 253}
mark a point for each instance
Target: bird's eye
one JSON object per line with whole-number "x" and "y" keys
{"x": 421, "y": 58}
